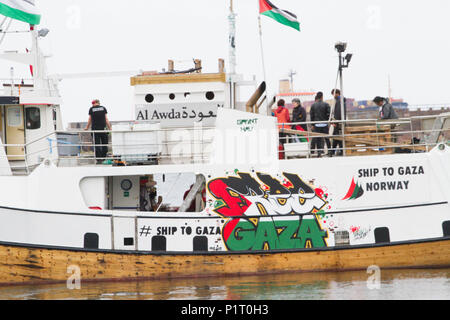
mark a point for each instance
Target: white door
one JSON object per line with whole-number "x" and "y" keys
{"x": 15, "y": 132}
{"x": 38, "y": 144}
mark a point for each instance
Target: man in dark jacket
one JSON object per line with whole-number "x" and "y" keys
{"x": 99, "y": 120}
{"x": 337, "y": 126}
{"x": 298, "y": 115}
{"x": 387, "y": 111}
{"x": 320, "y": 111}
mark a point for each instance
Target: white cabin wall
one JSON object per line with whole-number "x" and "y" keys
{"x": 14, "y": 191}
{"x": 197, "y": 92}
{"x": 62, "y": 230}
{"x": 93, "y": 191}
{"x": 124, "y": 228}
{"x": 38, "y": 141}
{"x": 59, "y": 122}
{"x": 440, "y": 162}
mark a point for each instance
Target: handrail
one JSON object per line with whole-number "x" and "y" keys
{"x": 370, "y": 140}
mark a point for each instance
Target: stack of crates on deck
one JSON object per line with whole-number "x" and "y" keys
{"x": 368, "y": 140}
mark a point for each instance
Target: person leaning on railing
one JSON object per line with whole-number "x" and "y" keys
{"x": 98, "y": 118}
{"x": 387, "y": 112}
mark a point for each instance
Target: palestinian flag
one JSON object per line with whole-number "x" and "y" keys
{"x": 282, "y": 16}
{"x": 23, "y": 10}
{"x": 355, "y": 191}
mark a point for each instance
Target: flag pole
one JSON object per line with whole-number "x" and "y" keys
{"x": 263, "y": 62}
{"x": 232, "y": 56}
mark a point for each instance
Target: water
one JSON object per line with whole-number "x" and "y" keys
{"x": 397, "y": 284}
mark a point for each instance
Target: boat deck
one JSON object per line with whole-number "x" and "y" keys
{"x": 157, "y": 146}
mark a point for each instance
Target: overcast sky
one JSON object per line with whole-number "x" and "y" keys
{"x": 404, "y": 39}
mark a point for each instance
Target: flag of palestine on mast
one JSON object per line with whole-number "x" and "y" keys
{"x": 282, "y": 16}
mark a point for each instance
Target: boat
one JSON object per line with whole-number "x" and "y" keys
{"x": 196, "y": 186}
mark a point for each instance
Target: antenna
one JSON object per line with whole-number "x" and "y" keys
{"x": 292, "y": 73}
{"x": 232, "y": 39}
{"x": 389, "y": 88}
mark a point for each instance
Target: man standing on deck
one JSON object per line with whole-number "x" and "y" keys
{"x": 299, "y": 119}
{"x": 99, "y": 120}
{"x": 337, "y": 126}
{"x": 387, "y": 111}
{"x": 320, "y": 112}
{"x": 283, "y": 117}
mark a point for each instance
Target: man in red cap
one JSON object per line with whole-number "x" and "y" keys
{"x": 99, "y": 120}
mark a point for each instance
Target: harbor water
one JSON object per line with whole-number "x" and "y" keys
{"x": 361, "y": 285}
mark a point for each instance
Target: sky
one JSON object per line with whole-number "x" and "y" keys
{"x": 403, "y": 40}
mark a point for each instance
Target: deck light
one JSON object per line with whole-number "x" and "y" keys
{"x": 341, "y": 47}
{"x": 343, "y": 63}
{"x": 43, "y": 32}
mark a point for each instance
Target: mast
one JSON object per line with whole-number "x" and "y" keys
{"x": 232, "y": 56}
{"x": 292, "y": 73}
{"x": 232, "y": 40}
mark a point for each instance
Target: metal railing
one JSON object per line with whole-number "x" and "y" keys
{"x": 193, "y": 145}
{"x": 370, "y": 136}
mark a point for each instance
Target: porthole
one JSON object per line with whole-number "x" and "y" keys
{"x": 446, "y": 228}
{"x": 200, "y": 244}
{"x": 126, "y": 185}
{"x": 382, "y": 235}
{"x": 159, "y": 243}
{"x": 149, "y": 98}
{"x": 91, "y": 241}
{"x": 210, "y": 95}
{"x": 172, "y": 96}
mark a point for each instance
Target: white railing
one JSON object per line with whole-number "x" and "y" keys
{"x": 193, "y": 145}
{"x": 374, "y": 135}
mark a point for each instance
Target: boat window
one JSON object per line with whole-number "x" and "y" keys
{"x": 91, "y": 241}
{"x": 149, "y": 98}
{"x": 200, "y": 243}
{"x": 172, "y": 192}
{"x": 172, "y": 96}
{"x": 159, "y": 243}
{"x": 210, "y": 95}
{"x": 14, "y": 117}
{"x": 446, "y": 228}
{"x": 33, "y": 118}
{"x": 382, "y": 235}
{"x": 159, "y": 192}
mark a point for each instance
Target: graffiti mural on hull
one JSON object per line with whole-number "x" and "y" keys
{"x": 265, "y": 213}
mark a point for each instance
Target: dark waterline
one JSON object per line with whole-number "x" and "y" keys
{"x": 395, "y": 284}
